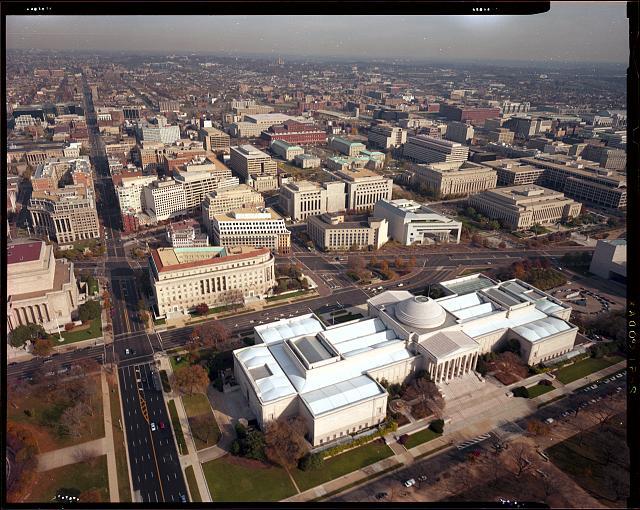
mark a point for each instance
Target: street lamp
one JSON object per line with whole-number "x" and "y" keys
{"x": 58, "y": 325}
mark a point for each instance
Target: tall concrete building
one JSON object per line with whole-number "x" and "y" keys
{"x": 413, "y": 223}
{"x": 331, "y": 232}
{"x": 286, "y": 150}
{"x": 40, "y": 289}
{"x": 215, "y": 140}
{"x": 200, "y": 177}
{"x": 611, "y": 159}
{"x": 65, "y": 215}
{"x": 610, "y": 260}
{"x": 252, "y": 226}
{"x": 386, "y": 137}
{"x": 223, "y": 201}
{"x": 522, "y": 207}
{"x": 460, "y": 132}
{"x": 182, "y": 278}
{"x": 255, "y": 167}
{"x": 445, "y": 179}
{"x": 164, "y": 199}
{"x": 161, "y": 132}
{"x": 426, "y": 149}
{"x": 302, "y": 199}
{"x": 501, "y": 135}
{"x": 130, "y": 191}
{"x": 364, "y": 188}
{"x": 512, "y": 172}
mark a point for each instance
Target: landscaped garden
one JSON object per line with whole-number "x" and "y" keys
{"x": 177, "y": 428}
{"x": 421, "y": 437}
{"x": 585, "y": 367}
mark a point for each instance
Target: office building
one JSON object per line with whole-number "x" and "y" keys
{"x": 467, "y": 113}
{"x": 129, "y": 188}
{"x": 295, "y": 132}
{"x": 414, "y": 223}
{"x": 446, "y": 179}
{"x": 460, "y": 132}
{"x": 215, "y": 140}
{"x": 307, "y": 161}
{"x": 187, "y": 234}
{"x": 182, "y": 278}
{"x": 34, "y": 152}
{"x": 610, "y": 260}
{"x": 386, "y": 137}
{"x": 522, "y": 207}
{"x": 65, "y": 215}
{"x": 364, "y": 188}
{"x": 511, "y": 172}
{"x": 252, "y": 226}
{"x": 51, "y": 172}
{"x": 40, "y": 288}
{"x": 501, "y": 135}
{"x": 255, "y": 167}
{"x": 330, "y": 375}
{"x": 226, "y": 200}
{"x": 253, "y": 125}
{"x": 302, "y": 199}
{"x": 285, "y": 150}
{"x": 161, "y": 132}
{"x": 611, "y": 159}
{"x": 590, "y": 185}
{"x": 331, "y": 232}
{"x": 427, "y": 149}
{"x": 200, "y": 177}
{"x": 164, "y": 199}
{"x": 346, "y": 147}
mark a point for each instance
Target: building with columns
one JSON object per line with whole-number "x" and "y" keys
{"x": 40, "y": 288}
{"x": 331, "y": 376}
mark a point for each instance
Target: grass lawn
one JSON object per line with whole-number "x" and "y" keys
{"x": 585, "y": 367}
{"x": 178, "y": 364}
{"x": 177, "y": 428}
{"x": 539, "y": 389}
{"x": 205, "y": 433}
{"x": 342, "y": 464}
{"x": 230, "y": 480}
{"x": 41, "y": 408}
{"x": 421, "y": 437}
{"x": 82, "y": 476}
{"x": 122, "y": 468}
{"x": 93, "y": 331}
{"x": 287, "y": 296}
{"x": 166, "y": 387}
{"x": 160, "y": 322}
{"x": 193, "y": 485}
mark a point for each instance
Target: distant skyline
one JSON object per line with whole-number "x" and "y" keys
{"x": 569, "y": 32}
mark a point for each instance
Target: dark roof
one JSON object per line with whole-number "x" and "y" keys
{"x": 26, "y": 252}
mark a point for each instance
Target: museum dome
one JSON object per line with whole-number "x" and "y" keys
{"x": 420, "y": 312}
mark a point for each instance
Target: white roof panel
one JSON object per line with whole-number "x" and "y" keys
{"x": 273, "y": 386}
{"x": 341, "y": 394}
{"x": 541, "y": 329}
{"x": 285, "y": 329}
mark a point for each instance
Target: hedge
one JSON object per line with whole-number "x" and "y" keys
{"x": 390, "y": 426}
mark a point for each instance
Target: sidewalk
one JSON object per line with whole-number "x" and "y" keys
{"x": 191, "y": 459}
{"x": 110, "y": 450}
{"x": 456, "y": 432}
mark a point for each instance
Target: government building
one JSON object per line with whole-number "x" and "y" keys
{"x": 40, "y": 288}
{"x": 183, "y": 278}
{"x": 330, "y": 375}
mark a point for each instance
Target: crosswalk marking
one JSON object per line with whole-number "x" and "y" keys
{"x": 475, "y": 440}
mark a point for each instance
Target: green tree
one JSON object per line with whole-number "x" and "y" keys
{"x": 89, "y": 310}
{"x": 21, "y": 334}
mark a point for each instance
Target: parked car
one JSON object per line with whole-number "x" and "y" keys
{"x": 409, "y": 483}
{"x": 549, "y": 421}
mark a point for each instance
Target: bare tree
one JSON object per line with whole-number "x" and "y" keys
{"x": 284, "y": 441}
{"x": 519, "y": 453}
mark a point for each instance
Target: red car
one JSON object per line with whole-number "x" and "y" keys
{"x": 162, "y": 425}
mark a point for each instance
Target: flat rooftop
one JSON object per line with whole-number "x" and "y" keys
{"x": 26, "y": 252}
{"x": 467, "y": 284}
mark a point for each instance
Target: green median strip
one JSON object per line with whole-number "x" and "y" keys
{"x": 421, "y": 437}
{"x": 193, "y": 485}
{"x": 177, "y": 428}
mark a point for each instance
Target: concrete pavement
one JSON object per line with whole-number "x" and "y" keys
{"x": 114, "y": 494}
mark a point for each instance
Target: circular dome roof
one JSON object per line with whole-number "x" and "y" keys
{"x": 420, "y": 312}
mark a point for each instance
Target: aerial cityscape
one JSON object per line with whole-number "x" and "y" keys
{"x": 368, "y": 259}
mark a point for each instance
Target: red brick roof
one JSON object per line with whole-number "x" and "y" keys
{"x": 187, "y": 265}
{"x": 26, "y": 252}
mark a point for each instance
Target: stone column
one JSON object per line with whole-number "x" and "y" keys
{"x": 475, "y": 361}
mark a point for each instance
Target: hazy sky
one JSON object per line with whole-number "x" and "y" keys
{"x": 570, "y": 31}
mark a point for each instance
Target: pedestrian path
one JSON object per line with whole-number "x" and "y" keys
{"x": 473, "y": 441}
{"x": 114, "y": 493}
{"x": 71, "y": 454}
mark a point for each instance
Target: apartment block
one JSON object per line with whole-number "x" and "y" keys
{"x": 252, "y": 226}
{"x": 521, "y": 207}
{"x": 330, "y": 232}
{"x": 302, "y": 199}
